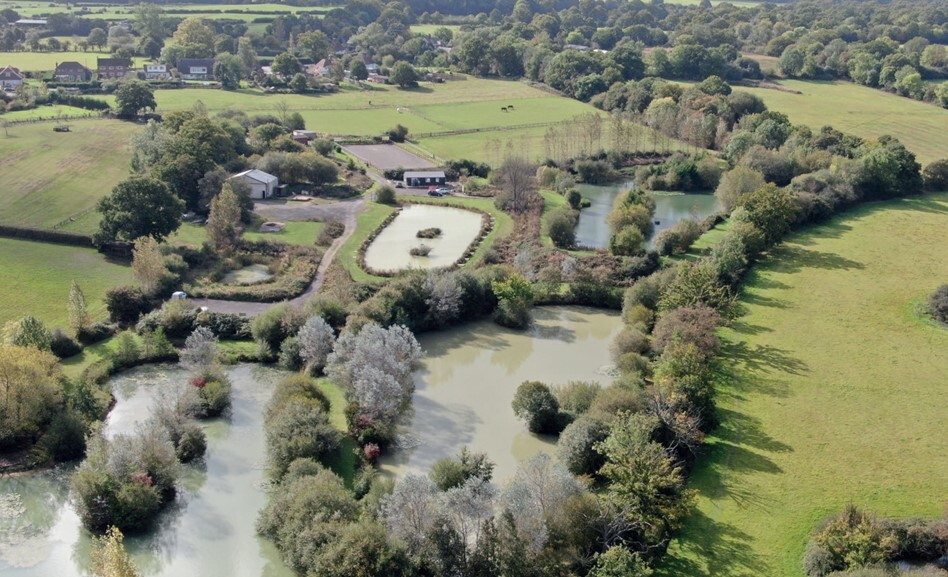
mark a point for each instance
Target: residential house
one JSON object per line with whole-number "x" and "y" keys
{"x": 304, "y": 136}
{"x": 10, "y": 78}
{"x": 425, "y": 178}
{"x": 112, "y": 68}
{"x": 377, "y": 78}
{"x": 318, "y": 70}
{"x": 262, "y": 185}
{"x": 155, "y": 71}
{"x": 196, "y": 68}
{"x": 71, "y": 72}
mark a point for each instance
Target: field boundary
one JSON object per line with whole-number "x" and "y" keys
{"x": 485, "y": 129}
{"x": 46, "y": 235}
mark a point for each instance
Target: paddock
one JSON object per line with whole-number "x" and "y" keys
{"x": 388, "y": 156}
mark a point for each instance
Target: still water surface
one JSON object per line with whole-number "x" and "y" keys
{"x": 390, "y": 251}
{"x": 470, "y": 374}
{"x": 593, "y": 231}
{"x": 207, "y": 532}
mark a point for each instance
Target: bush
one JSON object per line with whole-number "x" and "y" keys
{"x": 576, "y": 397}
{"x": 562, "y": 227}
{"x": 298, "y": 389}
{"x": 271, "y": 328}
{"x": 192, "y": 445}
{"x": 613, "y": 400}
{"x": 125, "y": 304}
{"x": 696, "y": 325}
{"x": 94, "y": 333}
{"x": 433, "y": 232}
{"x": 535, "y": 404}
{"x": 385, "y": 195}
{"x": 64, "y": 439}
{"x": 449, "y": 472}
{"x": 576, "y": 445}
{"x": 213, "y": 394}
{"x": 62, "y": 345}
{"x": 938, "y": 304}
{"x": 296, "y": 431}
{"x": 629, "y": 241}
{"x": 630, "y": 340}
{"x": 290, "y": 355}
{"x": 678, "y": 238}
{"x": 420, "y": 250}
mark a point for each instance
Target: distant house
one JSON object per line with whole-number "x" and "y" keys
{"x": 10, "y": 78}
{"x": 425, "y": 178}
{"x": 304, "y": 136}
{"x": 71, "y": 72}
{"x": 262, "y": 185}
{"x": 378, "y": 78}
{"x": 196, "y": 68}
{"x": 155, "y": 71}
{"x": 112, "y": 68}
{"x": 318, "y": 70}
{"x": 30, "y": 22}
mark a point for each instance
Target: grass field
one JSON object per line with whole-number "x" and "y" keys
{"x": 865, "y": 112}
{"x": 47, "y": 112}
{"x": 37, "y": 275}
{"x": 49, "y": 177}
{"x": 836, "y": 393}
{"x": 38, "y": 61}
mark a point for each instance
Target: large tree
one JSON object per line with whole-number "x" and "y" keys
{"x": 133, "y": 96}
{"x": 223, "y": 225}
{"x": 313, "y": 44}
{"x": 404, "y": 75}
{"x": 228, "y": 70}
{"x": 139, "y": 206}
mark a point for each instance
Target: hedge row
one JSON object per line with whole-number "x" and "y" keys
{"x": 44, "y": 235}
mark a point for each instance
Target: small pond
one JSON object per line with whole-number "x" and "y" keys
{"x": 593, "y": 230}
{"x": 208, "y": 531}
{"x": 470, "y": 374}
{"x": 251, "y": 274}
{"x": 390, "y": 249}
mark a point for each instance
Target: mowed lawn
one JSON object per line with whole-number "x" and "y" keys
{"x": 37, "y": 275}
{"x": 863, "y": 111}
{"x": 49, "y": 177}
{"x": 837, "y": 393}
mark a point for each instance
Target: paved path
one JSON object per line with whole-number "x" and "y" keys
{"x": 345, "y": 211}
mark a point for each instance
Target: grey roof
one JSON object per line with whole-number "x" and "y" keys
{"x": 258, "y": 175}
{"x": 424, "y": 174}
{"x": 100, "y": 62}
{"x": 189, "y": 62}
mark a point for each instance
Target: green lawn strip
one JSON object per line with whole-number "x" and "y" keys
{"x": 48, "y": 112}
{"x": 344, "y": 464}
{"x": 503, "y": 223}
{"x": 37, "y": 276}
{"x": 551, "y": 201}
{"x": 831, "y": 393}
{"x": 367, "y": 221}
{"x": 73, "y": 366}
{"x": 705, "y": 242}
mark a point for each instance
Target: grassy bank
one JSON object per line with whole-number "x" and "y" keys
{"x": 833, "y": 395}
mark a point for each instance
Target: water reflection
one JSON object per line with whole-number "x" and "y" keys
{"x": 593, "y": 231}
{"x": 470, "y": 374}
{"x": 208, "y": 531}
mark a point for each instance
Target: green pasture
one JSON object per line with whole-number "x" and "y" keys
{"x": 367, "y": 221}
{"x": 47, "y": 61}
{"x": 37, "y": 276}
{"x": 832, "y": 392}
{"x": 764, "y": 60}
{"x": 47, "y": 112}
{"x": 490, "y": 113}
{"x": 863, "y": 111}
{"x": 303, "y": 233}
{"x": 49, "y": 177}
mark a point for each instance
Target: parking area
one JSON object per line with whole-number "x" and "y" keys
{"x": 388, "y": 157}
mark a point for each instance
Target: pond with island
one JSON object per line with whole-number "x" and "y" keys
{"x": 391, "y": 249}
{"x": 463, "y": 393}
{"x": 670, "y": 208}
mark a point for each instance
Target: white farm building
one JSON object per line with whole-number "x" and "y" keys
{"x": 262, "y": 184}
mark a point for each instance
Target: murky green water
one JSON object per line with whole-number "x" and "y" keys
{"x": 470, "y": 375}
{"x": 249, "y": 274}
{"x": 593, "y": 231}
{"x": 390, "y": 249}
{"x": 207, "y": 532}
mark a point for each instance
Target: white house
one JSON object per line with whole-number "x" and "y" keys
{"x": 10, "y": 78}
{"x": 262, "y": 185}
{"x": 155, "y": 71}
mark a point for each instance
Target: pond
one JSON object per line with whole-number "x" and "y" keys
{"x": 390, "y": 249}
{"x": 208, "y": 531}
{"x": 470, "y": 374}
{"x": 251, "y": 274}
{"x": 593, "y": 231}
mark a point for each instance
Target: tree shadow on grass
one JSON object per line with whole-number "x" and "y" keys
{"x": 713, "y": 548}
{"x": 793, "y": 259}
{"x": 748, "y": 430}
{"x": 758, "y": 358}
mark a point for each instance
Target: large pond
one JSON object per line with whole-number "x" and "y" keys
{"x": 470, "y": 374}
{"x": 390, "y": 251}
{"x": 208, "y": 532}
{"x": 593, "y": 230}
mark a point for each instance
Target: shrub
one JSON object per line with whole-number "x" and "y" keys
{"x": 678, "y": 238}
{"x": 385, "y": 195}
{"x": 450, "y": 472}
{"x": 696, "y": 325}
{"x": 420, "y": 250}
{"x": 574, "y": 199}
{"x": 433, "y": 232}
{"x": 290, "y": 355}
{"x": 213, "y": 394}
{"x": 535, "y": 404}
{"x": 576, "y": 397}
{"x": 271, "y": 328}
{"x": 613, "y": 400}
{"x": 576, "y": 445}
{"x": 630, "y": 340}
{"x": 64, "y": 439}
{"x": 62, "y": 345}
{"x": 938, "y": 304}
{"x": 125, "y": 304}
{"x": 127, "y": 352}
{"x": 331, "y": 231}
{"x": 94, "y": 333}
{"x": 935, "y": 175}
{"x": 562, "y": 227}
{"x": 297, "y": 431}
{"x": 192, "y": 445}
{"x": 627, "y": 242}
{"x": 298, "y": 389}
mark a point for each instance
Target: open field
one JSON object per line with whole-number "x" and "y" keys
{"x": 835, "y": 393}
{"x": 47, "y": 112}
{"x": 39, "y": 61}
{"x": 49, "y": 177}
{"x": 863, "y": 111}
{"x": 387, "y": 156}
{"x": 37, "y": 275}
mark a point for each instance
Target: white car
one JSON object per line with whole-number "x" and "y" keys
{"x": 179, "y": 295}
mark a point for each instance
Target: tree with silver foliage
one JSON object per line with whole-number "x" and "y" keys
{"x": 411, "y": 510}
{"x": 443, "y": 296}
{"x": 316, "y": 339}
{"x": 199, "y": 354}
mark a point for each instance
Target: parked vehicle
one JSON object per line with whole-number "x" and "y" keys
{"x": 435, "y": 193}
